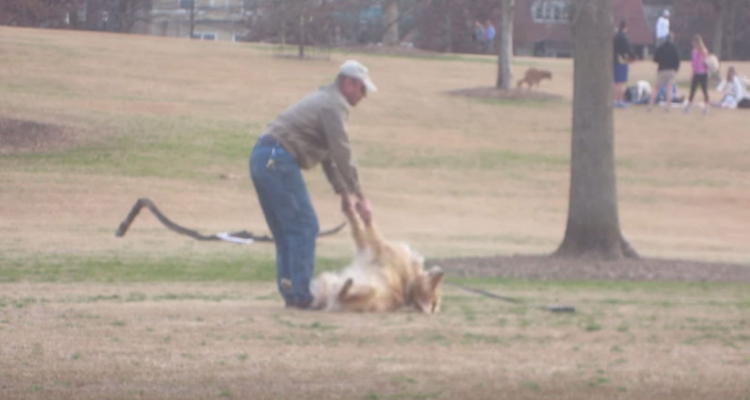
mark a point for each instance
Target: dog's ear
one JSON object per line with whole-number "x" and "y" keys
{"x": 436, "y": 276}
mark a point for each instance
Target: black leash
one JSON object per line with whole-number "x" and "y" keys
{"x": 145, "y": 202}
{"x": 550, "y": 308}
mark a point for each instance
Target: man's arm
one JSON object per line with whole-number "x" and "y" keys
{"x": 332, "y": 173}
{"x": 340, "y": 149}
{"x": 342, "y": 161}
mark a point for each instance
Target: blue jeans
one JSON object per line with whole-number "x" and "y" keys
{"x": 290, "y": 216}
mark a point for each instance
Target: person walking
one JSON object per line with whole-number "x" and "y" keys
{"x": 312, "y": 131}
{"x": 700, "y": 73}
{"x": 668, "y": 59}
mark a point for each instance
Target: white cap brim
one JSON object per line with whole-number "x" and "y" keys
{"x": 369, "y": 84}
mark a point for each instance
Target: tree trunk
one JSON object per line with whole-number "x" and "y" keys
{"x": 301, "y": 51}
{"x": 282, "y": 6}
{"x": 505, "y": 58}
{"x": 192, "y": 19}
{"x": 731, "y": 28}
{"x": 720, "y": 8}
{"x": 448, "y": 33}
{"x": 593, "y": 227}
{"x": 390, "y": 21}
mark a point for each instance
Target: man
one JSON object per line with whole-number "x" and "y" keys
{"x": 668, "y": 59}
{"x": 490, "y": 32}
{"x": 479, "y": 35}
{"x": 662, "y": 28}
{"x": 310, "y": 132}
{"x": 623, "y": 54}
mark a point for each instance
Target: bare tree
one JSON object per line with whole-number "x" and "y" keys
{"x": 505, "y": 58}
{"x": 720, "y": 8}
{"x": 38, "y": 13}
{"x": 390, "y": 21}
{"x": 192, "y": 18}
{"x": 738, "y": 13}
{"x": 593, "y": 226}
{"x": 723, "y": 10}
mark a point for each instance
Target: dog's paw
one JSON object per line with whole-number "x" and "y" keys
{"x": 345, "y": 289}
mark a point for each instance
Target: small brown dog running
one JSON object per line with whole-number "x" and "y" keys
{"x": 533, "y": 77}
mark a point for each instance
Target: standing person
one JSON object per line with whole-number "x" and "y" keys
{"x": 490, "y": 36}
{"x": 623, "y": 54}
{"x": 668, "y": 59}
{"x": 311, "y": 131}
{"x": 700, "y": 73}
{"x": 479, "y": 36}
{"x": 662, "y": 28}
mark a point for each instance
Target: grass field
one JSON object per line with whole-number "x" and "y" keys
{"x": 154, "y": 315}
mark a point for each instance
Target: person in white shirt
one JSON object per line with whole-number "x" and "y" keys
{"x": 734, "y": 91}
{"x": 662, "y": 28}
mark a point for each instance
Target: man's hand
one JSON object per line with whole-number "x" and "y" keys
{"x": 364, "y": 209}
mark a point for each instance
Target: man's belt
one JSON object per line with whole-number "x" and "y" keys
{"x": 267, "y": 140}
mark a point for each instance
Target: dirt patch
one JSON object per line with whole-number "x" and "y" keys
{"x": 19, "y": 136}
{"x": 545, "y": 268}
{"x": 493, "y": 93}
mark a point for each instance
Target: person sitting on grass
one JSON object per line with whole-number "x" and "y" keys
{"x": 734, "y": 91}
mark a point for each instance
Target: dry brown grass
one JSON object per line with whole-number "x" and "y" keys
{"x": 468, "y": 178}
{"x": 201, "y": 341}
{"x": 453, "y": 176}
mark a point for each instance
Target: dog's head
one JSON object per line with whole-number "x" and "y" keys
{"x": 424, "y": 293}
{"x": 546, "y": 74}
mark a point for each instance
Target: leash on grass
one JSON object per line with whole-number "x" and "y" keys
{"x": 246, "y": 237}
{"x": 243, "y": 237}
{"x": 551, "y": 308}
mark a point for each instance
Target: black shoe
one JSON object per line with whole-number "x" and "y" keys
{"x": 300, "y": 305}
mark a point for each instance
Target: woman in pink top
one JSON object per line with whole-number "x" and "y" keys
{"x": 700, "y": 72}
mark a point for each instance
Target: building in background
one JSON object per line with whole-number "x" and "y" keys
{"x": 542, "y": 27}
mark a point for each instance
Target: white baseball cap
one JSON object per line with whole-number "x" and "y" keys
{"x": 355, "y": 69}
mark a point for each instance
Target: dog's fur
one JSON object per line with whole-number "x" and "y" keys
{"x": 533, "y": 77}
{"x": 384, "y": 277}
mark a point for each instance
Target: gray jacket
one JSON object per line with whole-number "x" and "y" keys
{"x": 314, "y": 131}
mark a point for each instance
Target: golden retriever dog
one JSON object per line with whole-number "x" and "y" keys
{"x": 384, "y": 277}
{"x": 533, "y": 77}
